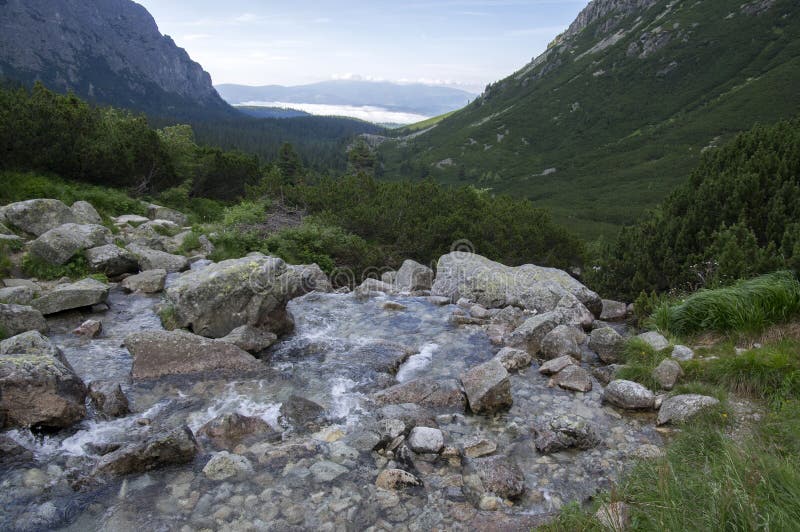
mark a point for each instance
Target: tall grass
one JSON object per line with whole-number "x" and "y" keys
{"x": 748, "y": 307}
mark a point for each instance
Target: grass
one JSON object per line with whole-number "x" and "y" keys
{"x": 168, "y": 319}
{"x": 190, "y": 243}
{"x": 425, "y": 124}
{"x": 640, "y": 360}
{"x": 76, "y": 268}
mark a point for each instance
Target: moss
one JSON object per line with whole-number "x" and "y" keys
{"x": 168, "y": 316}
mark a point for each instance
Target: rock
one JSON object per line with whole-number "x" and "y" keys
{"x": 159, "y": 353}
{"x": 438, "y": 301}
{"x": 157, "y": 212}
{"x": 16, "y": 319}
{"x": 573, "y": 378}
{"x": 389, "y": 429}
{"x": 393, "y": 305}
{"x": 39, "y": 391}
{"x": 371, "y": 287}
{"x": 606, "y": 374}
{"x": 12, "y": 452}
{"x": 425, "y": 392}
{"x": 89, "y": 329}
{"x": 410, "y": 414}
{"x": 477, "y": 447}
{"x": 85, "y": 213}
{"x": 37, "y": 216}
{"x": 249, "y": 291}
{"x": 563, "y": 340}
{"x": 108, "y": 399}
{"x": 152, "y": 259}
{"x": 682, "y": 353}
{"x": 614, "y": 311}
{"x": 32, "y": 343}
{"x": 531, "y": 333}
{"x": 497, "y": 475}
{"x": 488, "y": 387}
{"x": 224, "y": 465}
{"x": 565, "y": 432}
{"x": 229, "y": 430}
{"x": 84, "y": 293}
{"x": 477, "y": 311}
{"x": 629, "y": 395}
{"x": 250, "y": 339}
{"x": 680, "y": 408}
{"x": 654, "y": 340}
{"x": 425, "y": 440}
{"x": 607, "y": 343}
{"x": 327, "y": 471}
{"x": 302, "y": 413}
{"x": 667, "y": 373}
{"x": 60, "y": 244}
{"x": 17, "y": 295}
{"x": 614, "y": 516}
{"x": 551, "y": 367}
{"x": 130, "y": 219}
{"x": 413, "y": 276}
{"x": 112, "y": 260}
{"x": 494, "y": 285}
{"x": 396, "y": 479}
{"x": 166, "y": 448}
{"x": 389, "y": 277}
{"x": 26, "y": 283}
{"x": 147, "y": 282}
{"x": 513, "y": 359}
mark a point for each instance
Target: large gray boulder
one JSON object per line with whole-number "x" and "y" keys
{"x": 17, "y": 295}
{"x": 425, "y": 392}
{"x": 84, "y": 293}
{"x": 157, "y": 212}
{"x": 667, "y": 373}
{"x": 563, "y": 340}
{"x": 37, "y": 216}
{"x": 629, "y": 395}
{"x": 607, "y": 343}
{"x": 15, "y": 319}
{"x": 165, "y": 448}
{"x": 60, "y": 244}
{"x": 530, "y": 335}
{"x": 248, "y": 291}
{"x": 614, "y": 310}
{"x": 147, "y": 282}
{"x": 413, "y": 276}
{"x": 159, "y": 353}
{"x": 112, "y": 260}
{"x": 655, "y": 340}
{"x": 488, "y": 387}
{"x": 494, "y": 285}
{"x": 32, "y": 343}
{"x": 153, "y": 259}
{"x": 492, "y": 475}
{"x": 85, "y": 213}
{"x": 250, "y": 339}
{"x": 680, "y": 408}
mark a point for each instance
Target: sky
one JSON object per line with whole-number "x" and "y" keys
{"x": 460, "y": 43}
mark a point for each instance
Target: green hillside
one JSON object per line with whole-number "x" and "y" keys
{"x": 616, "y": 113}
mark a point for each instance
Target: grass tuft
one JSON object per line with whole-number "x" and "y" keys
{"x": 76, "y": 268}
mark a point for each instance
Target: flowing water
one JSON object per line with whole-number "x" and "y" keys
{"x": 304, "y": 480}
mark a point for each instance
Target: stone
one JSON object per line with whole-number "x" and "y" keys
{"x": 85, "y": 213}
{"x": 477, "y": 447}
{"x": 396, "y": 479}
{"x": 606, "y": 374}
{"x": 682, "y": 353}
{"x": 438, "y": 301}
{"x": 371, "y": 287}
{"x": 159, "y": 353}
{"x": 614, "y": 516}
{"x": 32, "y": 343}
{"x": 493, "y": 285}
{"x": 17, "y": 295}
{"x": 250, "y": 339}
{"x": 224, "y": 465}
{"x": 58, "y": 245}
{"x": 327, "y": 471}
{"x": 157, "y": 212}
{"x": 425, "y": 440}
{"x": 563, "y": 432}
{"x": 112, "y": 260}
{"x": 614, "y": 311}
{"x": 108, "y": 399}
{"x": 84, "y": 293}
{"x": 563, "y": 340}
{"x": 147, "y": 282}
{"x": 152, "y": 259}
{"x": 12, "y": 453}
{"x": 130, "y": 219}
{"x": 389, "y": 277}
{"x": 302, "y": 413}
{"x": 531, "y": 333}
{"x": 667, "y": 373}
{"x": 410, "y": 414}
{"x": 389, "y": 429}
{"x": 39, "y": 391}
{"x": 37, "y": 216}
{"x": 654, "y": 340}
{"x": 513, "y": 359}
{"x": 425, "y": 392}
{"x": 413, "y": 276}
{"x": 89, "y": 329}
{"x": 607, "y": 343}
{"x": 573, "y": 378}
{"x": 229, "y": 430}
{"x": 629, "y": 395}
{"x": 680, "y": 408}
{"x": 249, "y": 291}
{"x": 551, "y": 367}
{"x": 497, "y": 474}
{"x": 164, "y": 448}
{"x": 488, "y": 387}
{"x": 16, "y": 319}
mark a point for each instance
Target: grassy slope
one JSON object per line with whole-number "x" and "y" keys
{"x": 635, "y": 134}
{"x": 425, "y": 124}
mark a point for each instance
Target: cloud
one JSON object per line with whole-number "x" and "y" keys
{"x": 195, "y": 36}
{"x": 246, "y": 18}
{"x": 378, "y": 115}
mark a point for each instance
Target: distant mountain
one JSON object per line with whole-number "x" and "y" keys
{"x": 271, "y": 112}
{"x": 415, "y": 98}
{"x": 619, "y": 108}
{"x": 108, "y": 51}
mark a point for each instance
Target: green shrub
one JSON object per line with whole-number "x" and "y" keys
{"x": 640, "y": 360}
{"x": 76, "y": 268}
{"x": 244, "y": 213}
{"x": 233, "y": 244}
{"x": 190, "y": 243}
{"x": 167, "y": 315}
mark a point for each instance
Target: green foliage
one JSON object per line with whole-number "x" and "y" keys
{"x": 200, "y": 210}
{"x": 6, "y": 248}
{"x": 640, "y": 360}
{"x": 361, "y": 159}
{"x": 244, "y": 213}
{"x": 190, "y": 243}
{"x": 289, "y": 164}
{"x": 3, "y": 333}
{"x": 76, "y": 268}
{"x": 233, "y": 244}
{"x": 168, "y": 318}
{"x": 748, "y": 307}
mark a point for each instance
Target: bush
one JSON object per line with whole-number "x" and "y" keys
{"x": 76, "y": 268}
{"x": 245, "y": 213}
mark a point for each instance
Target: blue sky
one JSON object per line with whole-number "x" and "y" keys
{"x": 466, "y": 43}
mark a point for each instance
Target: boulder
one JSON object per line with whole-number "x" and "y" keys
{"x": 17, "y": 295}
{"x": 682, "y": 353}
{"x": 565, "y": 432}
{"x": 410, "y": 414}
{"x": 108, "y": 399}
{"x": 84, "y": 293}
{"x": 563, "y": 340}
{"x": 666, "y": 374}
{"x": 60, "y": 244}
{"x": 425, "y": 440}
{"x": 165, "y": 448}
{"x": 614, "y": 311}
{"x": 396, "y": 479}
{"x": 606, "y": 374}
{"x": 389, "y": 277}
{"x": 39, "y": 391}
{"x": 488, "y": 387}
{"x": 629, "y": 395}
{"x": 371, "y": 287}
{"x": 413, "y": 276}
{"x": 654, "y": 340}
{"x": 159, "y": 353}
{"x": 494, "y": 285}
{"x": 229, "y": 430}
{"x": 130, "y": 219}
{"x": 32, "y": 343}
{"x": 607, "y": 343}
{"x": 573, "y": 378}
{"x": 224, "y": 465}
{"x": 112, "y": 260}
{"x": 37, "y": 216}
{"x": 157, "y": 212}
{"x": 16, "y": 319}
{"x": 680, "y": 408}
{"x": 425, "y": 392}
{"x": 302, "y": 413}
{"x": 147, "y": 282}
{"x": 85, "y": 213}
{"x": 492, "y": 475}
{"x": 89, "y": 329}
{"x": 250, "y": 339}
{"x": 12, "y": 452}
{"x": 152, "y": 259}
{"x": 249, "y": 291}
{"x": 514, "y": 359}
{"x": 531, "y": 333}
{"x": 551, "y": 367}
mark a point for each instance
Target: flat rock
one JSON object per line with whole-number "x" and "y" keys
{"x": 130, "y": 219}
{"x": 565, "y": 432}
{"x": 84, "y": 293}
{"x": 153, "y": 259}
{"x": 425, "y": 392}
{"x": 680, "y": 408}
{"x": 157, "y": 212}
{"x": 164, "y": 448}
{"x": 551, "y": 367}
{"x": 32, "y": 343}
{"x": 573, "y": 378}
{"x": 147, "y": 282}
{"x": 488, "y": 387}
{"x": 629, "y": 395}
{"x": 17, "y": 295}
{"x": 477, "y": 447}
{"x": 327, "y": 471}
{"x": 396, "y": 479}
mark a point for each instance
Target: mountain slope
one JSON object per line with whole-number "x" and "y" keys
{"x": 619, "y": 108}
